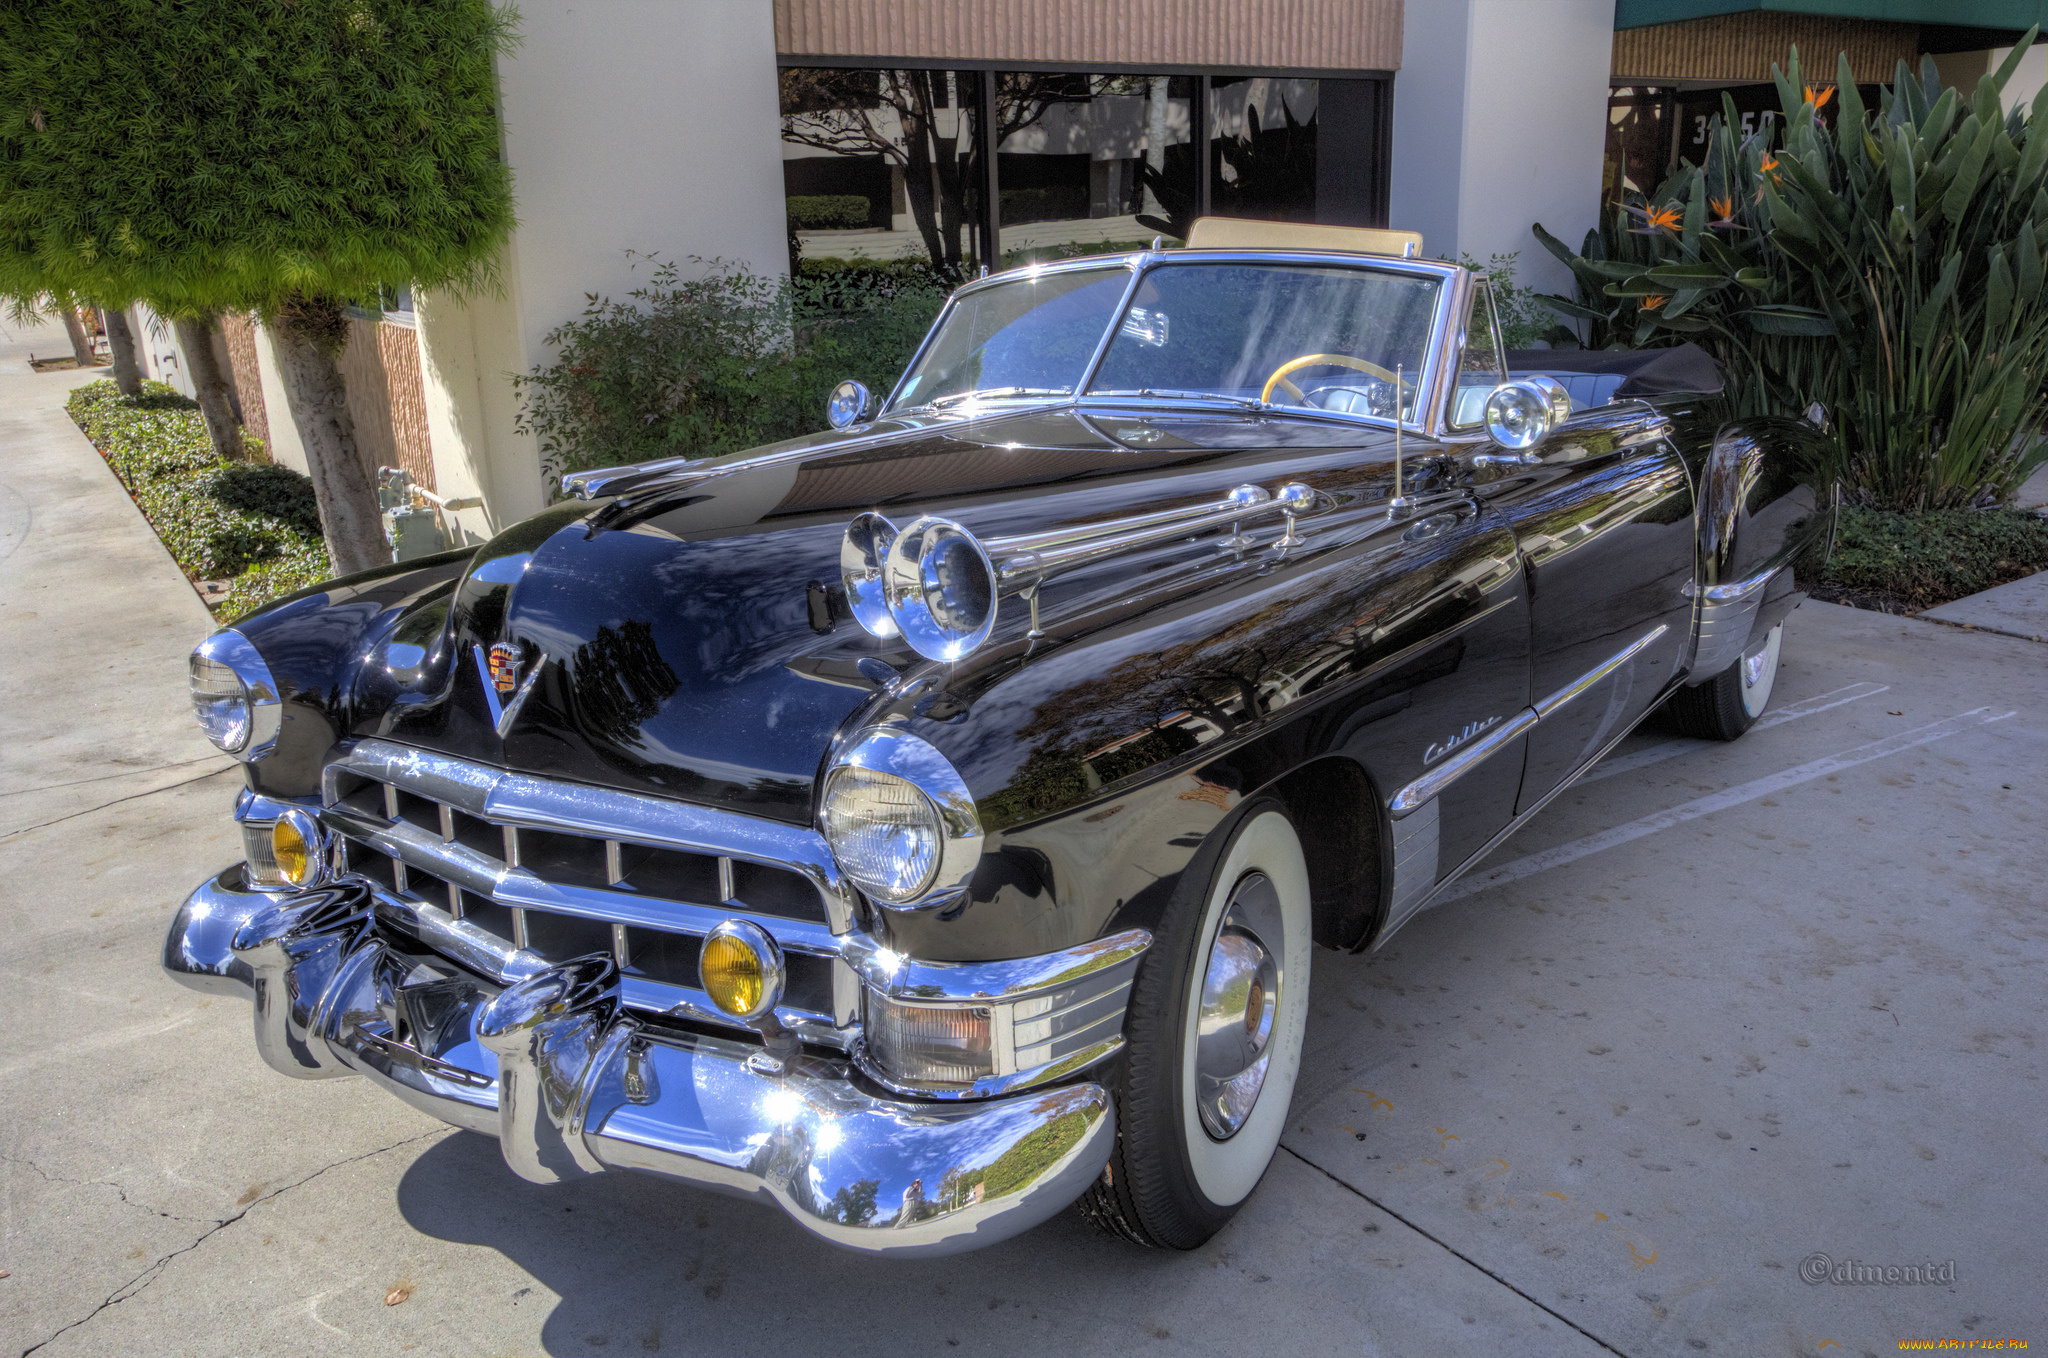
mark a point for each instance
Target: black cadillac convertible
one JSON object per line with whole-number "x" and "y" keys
{"x": 929, "y": 824}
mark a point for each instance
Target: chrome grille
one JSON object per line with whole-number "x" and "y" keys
{"x": 559, "y": 870}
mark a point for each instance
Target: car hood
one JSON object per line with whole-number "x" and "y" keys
{"x": 684, "y": 638}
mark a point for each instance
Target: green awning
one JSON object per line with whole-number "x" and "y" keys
{"x": 2016, "y": 15}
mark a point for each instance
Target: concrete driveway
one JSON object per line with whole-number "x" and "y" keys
{"x": 1723, "y": 1010}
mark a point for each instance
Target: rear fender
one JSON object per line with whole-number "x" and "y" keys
{"x": 1755, "y": 519}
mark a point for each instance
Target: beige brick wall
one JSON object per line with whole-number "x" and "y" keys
{"x": 240, "y": 334}
{"x": 382, "y": 368}
{"x": 1740, "y": 48}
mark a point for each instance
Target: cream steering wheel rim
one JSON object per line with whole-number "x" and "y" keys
{"x": 1279, "y": 377}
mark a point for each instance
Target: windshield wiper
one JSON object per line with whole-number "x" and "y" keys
{"x": 1217, "y": 397}
{"x": 994, "y": 393}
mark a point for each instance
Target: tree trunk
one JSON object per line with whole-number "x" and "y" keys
{"x": 210, "y": 385}
{"x": 81, "y": 347}
{"x": 121, "y": 342}
{"x": 310, "y": 334}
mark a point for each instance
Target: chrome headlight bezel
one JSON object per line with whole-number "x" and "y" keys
{"x": 264, "y": 710}
{"x": 894, "y": 753}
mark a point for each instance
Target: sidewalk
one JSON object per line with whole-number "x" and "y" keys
{"x": 80, "y": 569}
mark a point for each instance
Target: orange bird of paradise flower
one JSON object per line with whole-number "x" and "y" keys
{"x": 1657, "y": 219}
{"x": 1724, "y": 208}
{"x": 1652, "y": 303}
{"x": 1819, "y": 97}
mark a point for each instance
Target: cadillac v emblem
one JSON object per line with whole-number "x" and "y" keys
{"x": 504, "y": 667}
{"x": 1472, "y": 731}
{"x": 505, "y": 690}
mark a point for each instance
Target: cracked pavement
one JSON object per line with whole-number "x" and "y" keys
{"x": 1720, "y": 1017}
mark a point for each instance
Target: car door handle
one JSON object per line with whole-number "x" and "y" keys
{"x": 1483, "y": 461}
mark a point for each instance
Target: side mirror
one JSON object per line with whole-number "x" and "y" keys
{"x": 849, "y": 404}
{"x": 1521, "y": 413}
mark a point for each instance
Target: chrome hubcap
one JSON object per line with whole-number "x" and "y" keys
{"x": 1240, "y": 997}
{"x": 1759, "y": 672}
{"x": 1753, "y": 667}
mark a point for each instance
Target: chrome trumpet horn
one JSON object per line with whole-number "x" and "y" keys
{"x": 938, "y": 586}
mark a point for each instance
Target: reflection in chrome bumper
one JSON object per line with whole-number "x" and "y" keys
{"x": 571, "y": 1084}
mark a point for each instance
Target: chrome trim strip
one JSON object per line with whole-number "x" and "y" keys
{"x": 1577, "y": 687}
{"x": 1741, "y": 589}
{"x": 255, "y": 806}
{"x": 898, "y": 977}
{"x": 1380, "y": 939}
{"x": 1416, "y": 851}
{"x": 1424, "y": 790}
{"x": 601, "y": 813}
{"x": 1429, "y": 786}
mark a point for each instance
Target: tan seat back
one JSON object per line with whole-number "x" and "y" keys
{"x": 1242, "y": 233}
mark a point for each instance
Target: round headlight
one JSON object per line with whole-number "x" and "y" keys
{"x": 884, "y": 832}
{"x": 901, "y": 821}
{"x": 234, "y": 697}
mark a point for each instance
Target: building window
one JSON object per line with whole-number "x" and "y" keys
{"x": 884, "y": 165}
{"x": 1091, "y": 163}
{"x": 895, "y": 166}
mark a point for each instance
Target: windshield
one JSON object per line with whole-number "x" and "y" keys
{"x": 1315, "y": 337}
{"x": 1029, "y": 337}
{"x": 1351, "y": 341}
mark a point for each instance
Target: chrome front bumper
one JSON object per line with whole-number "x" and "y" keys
{"x": 571, "y": 1084}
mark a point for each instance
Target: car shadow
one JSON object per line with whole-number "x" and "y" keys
{"x": 640, "y": 1264}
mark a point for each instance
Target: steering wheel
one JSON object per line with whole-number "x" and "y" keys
{"x": 1279, "y": 377}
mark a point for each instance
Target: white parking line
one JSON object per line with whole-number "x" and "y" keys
{"x": 1519, "y": 868}
{"x": 1671, "y": 749}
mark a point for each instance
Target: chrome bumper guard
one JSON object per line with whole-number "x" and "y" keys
{"x": 572, "y": 1085}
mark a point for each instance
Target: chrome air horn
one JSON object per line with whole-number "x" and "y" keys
{"x": 936, "y": 585}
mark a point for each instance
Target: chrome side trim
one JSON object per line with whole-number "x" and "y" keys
{"x": 1424, "y": 790}
{"x": 897, "y": 977}
{"x": 515, "y": 799}
{"x": 1379, "y": 939}
{"x": 1741, "y": 589}
{"x": 1416, "y": 851}
{"x": 1577, "y": 687}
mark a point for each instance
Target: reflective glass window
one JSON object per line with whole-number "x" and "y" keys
{"x": 1263, "y": 147}
{"x": 882, "y": 166}
{"x": 1030, "y": 335}
{"x": 1090, "y": 164}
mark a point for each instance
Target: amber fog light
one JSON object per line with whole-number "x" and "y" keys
{"x": 295, "y": 848}
{"x": 929, "y": 1044}
{"x": 741, "y": 968}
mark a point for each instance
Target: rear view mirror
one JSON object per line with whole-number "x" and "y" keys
{"x": 848, "y": 404}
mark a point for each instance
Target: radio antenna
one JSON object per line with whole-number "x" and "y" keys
{"x": 1398, "y": 506}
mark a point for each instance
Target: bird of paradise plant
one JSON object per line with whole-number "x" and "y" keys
{"x": 1893, "y": 268}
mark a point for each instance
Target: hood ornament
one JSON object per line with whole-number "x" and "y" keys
{"x": 505, "y": 692}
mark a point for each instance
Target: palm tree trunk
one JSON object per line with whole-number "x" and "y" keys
{"x": 210, "y": 385}
{"x": 81, "y": 347}
{"x": 310, "y": 334}
{"x": 121, "y": 342}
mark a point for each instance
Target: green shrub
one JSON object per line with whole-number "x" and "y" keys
{"x": 726, "y": 361}
{"x": 218, "y": 519}
{"x": 827, "y": 211}
{"x": 1913, "y": 561}
{"x": 1891, "y": 268}
{"x": 1525, "y": 317}
{"x": 301, "y": 566}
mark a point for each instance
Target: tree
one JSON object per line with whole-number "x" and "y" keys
{"x": 282, "y": 156}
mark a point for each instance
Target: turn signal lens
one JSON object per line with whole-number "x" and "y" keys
{"x": 295, "y": 847}
{"x": 741, "y": 969}
{"x": 929, "y": 1044}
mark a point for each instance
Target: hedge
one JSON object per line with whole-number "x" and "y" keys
{"x": 1902, "y": 562}
{"x": 827, "y": 211}
{"x": 255, "y": 524}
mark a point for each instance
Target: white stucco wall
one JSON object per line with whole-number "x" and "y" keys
{"x": 1964, "y": 69}
{"x": 645, "y": 125}
{"x": 1500, "y": 116}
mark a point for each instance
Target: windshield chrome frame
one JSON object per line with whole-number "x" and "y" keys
{"x": 1438, "y": 361}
